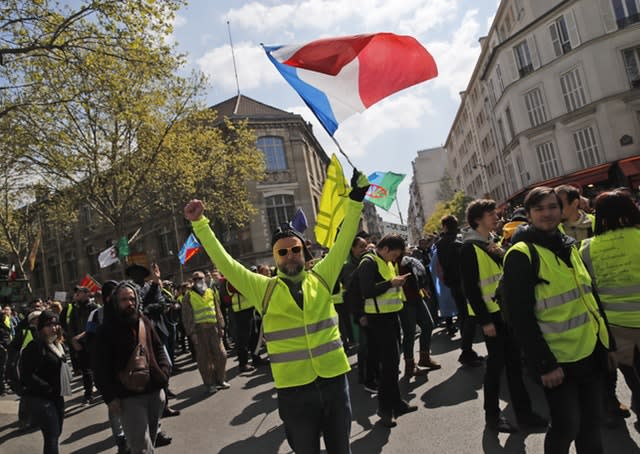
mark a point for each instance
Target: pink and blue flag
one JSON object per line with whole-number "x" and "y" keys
{"x": 189, "y": 249}
{"x": 337, "y": 77}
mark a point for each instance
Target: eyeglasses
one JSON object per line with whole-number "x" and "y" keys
{"x": 284, "y": 251}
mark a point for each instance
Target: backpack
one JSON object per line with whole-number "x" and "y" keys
{"x": 135, "y": 376}
{"x": 499, "y": 295}
{"x": 352, "y": 293}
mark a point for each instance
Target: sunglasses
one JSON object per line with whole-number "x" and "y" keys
{"x": 284, "y": 251}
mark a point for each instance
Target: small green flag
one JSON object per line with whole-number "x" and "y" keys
{"x": 383, "y": 189}
{"x": 123, "y": 247}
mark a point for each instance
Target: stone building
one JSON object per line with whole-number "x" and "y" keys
{"x": 554, "y": 98}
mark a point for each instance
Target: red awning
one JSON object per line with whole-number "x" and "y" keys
{"x": 630, "y": 166}
{"x": 584, "y": 177}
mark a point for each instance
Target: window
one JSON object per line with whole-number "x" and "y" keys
{"x": 84, "y": 216}
{"x": 626, "y": 12}
{"x": 54, "y": 272}
{"x": 631, "y": 59}
{"x": 273, "y": 149}
{"x": 512, "y": 130}
{"x": 523, "y": 59}
{"x": 572, "y": 91}
{"x": 535, "y": 107}
{"x": 279, "y": 210}
{"x": 549, "y": 167}
{"x": 499, "y": 76}
{"x": 70, "y": 265}
{"x": 92, "y": 256}
{"x": 560, "y": 36}
{"x": 502, "y": 135}
{"x": 586, "y": 147}
{"x": 524, "y": 175}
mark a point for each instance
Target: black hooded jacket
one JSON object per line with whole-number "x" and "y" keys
{"x": 519, "y": 291}
{"x": 116, "y": 339}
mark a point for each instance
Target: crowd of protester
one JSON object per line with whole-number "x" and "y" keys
{"x": 553, "y": 289}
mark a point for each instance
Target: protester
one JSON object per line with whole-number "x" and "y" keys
{"x": 204, "y": 323}
{"x": 46, "y": 378}
{"x": 308, "y": 362}
{"x": 133, "y": 369}
{"x": 556, "y": 319}
{"x": 381, "y": 289}
{"x": 613, "y": 260}
{"x": 575, "y": 222}
{"x": 481, "y": 260}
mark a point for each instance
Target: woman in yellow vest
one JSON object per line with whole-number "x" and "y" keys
{"x": 381, "y": 289}
{"x": 300, "y": 325}
{"x": 613, "y": 260}
{"x": 559, "y": 325}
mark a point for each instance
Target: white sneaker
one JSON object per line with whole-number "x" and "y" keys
{"x": 224, "y": 385}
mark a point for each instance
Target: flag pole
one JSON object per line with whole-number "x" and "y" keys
{"x": 342, "y": 152}
{"x": 399, "y": 212}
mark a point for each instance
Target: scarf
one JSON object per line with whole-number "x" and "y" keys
{"x": 65, "y": 372}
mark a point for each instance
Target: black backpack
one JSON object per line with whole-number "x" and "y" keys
{"x": 499, "y": 295}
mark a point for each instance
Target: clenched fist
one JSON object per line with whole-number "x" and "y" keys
{"x": 193, "y": 210}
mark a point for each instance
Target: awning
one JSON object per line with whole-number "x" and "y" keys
{"x": 630, "y": 166}
{"x": 584, "y": 177}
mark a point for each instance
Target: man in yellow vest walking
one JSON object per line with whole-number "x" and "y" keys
{"x": 203, "y": 322}
{"x": 559, "y": 325}
{"x": 300, "y": 326}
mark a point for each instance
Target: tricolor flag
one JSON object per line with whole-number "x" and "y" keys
{"x": 383, "y": 188}
{"x": 332, "y": 207}
{"x": 337, "y": 77}
{"x": 189, "y": 249}
{"x": 299, "y": 221}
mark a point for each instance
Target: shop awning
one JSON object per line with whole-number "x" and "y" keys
{"x": 584, "y": 177}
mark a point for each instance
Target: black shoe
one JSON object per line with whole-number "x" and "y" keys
{"x": 500, "y": 424}
{"x": 169, "y": 412}
{"x": 533, "y": 421}
{"x": 170, "y": 394}
{"x": 403, "y": 409}
{"x": 163, "y": 439}
{"x": 470, "y": 358}
{"x": 257, "y": 361}
{"x": 386, "y": 419}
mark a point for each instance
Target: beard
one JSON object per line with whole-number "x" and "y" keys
{"x": 292, "y": 269}
{"x": 129, "y": 315}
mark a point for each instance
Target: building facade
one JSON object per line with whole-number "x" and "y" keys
{"x": 295, "y": 172}
{"x": 429, "y": 169}
{"x": 554, "y": 98}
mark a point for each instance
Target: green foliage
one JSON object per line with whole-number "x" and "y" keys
{"x": 456, "y": 205}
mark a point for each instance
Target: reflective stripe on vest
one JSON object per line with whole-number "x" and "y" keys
{"x": 566, "y": 310}
{"x": 489, "y": 272}
{"x": 391, "y": 300}
{"x": 613, "y": 260}
{"x": 69, "y": 311}
{"x": 303, "y": 344}
{"x": 204, "y": 310}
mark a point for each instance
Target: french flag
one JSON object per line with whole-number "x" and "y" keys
{"x": 337, "y": 77}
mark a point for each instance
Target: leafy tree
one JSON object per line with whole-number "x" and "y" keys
{"x": 445, "y": 190}
{"x": 456, "y": 205}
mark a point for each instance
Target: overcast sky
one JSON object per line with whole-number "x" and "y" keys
{"x": 387, "y": 136}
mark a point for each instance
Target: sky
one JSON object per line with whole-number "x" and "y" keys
{"x": 388, "y": 135}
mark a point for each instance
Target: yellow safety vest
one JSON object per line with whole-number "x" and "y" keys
{"x": 566, "y": 310}
{"x": 28, "y": 337}
{"x": 204, "y": 308}
{"x": 613, "y": 260}
{"x": 7, "y": 323}
{"x": 69, "y": 312}
{"x": 490, "y": 273}
{"x": 238, "y": 301}
{"x": 391, "y": 300}
{"x": 303, "y": 344}
{"x": 337, "y": 298}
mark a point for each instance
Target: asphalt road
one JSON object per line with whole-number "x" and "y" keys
{"x": 244, "y": 419}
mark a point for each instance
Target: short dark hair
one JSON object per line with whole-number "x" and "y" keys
{"x": 571, "y": 192}
{"x": 477, "y": 209}
{"x": 393, "y": 241}
{"x": 535, "y": 196}
{"x": 356, "y": 240}
{"x": 449, "y": 222}
{"x": 615, "y": 210}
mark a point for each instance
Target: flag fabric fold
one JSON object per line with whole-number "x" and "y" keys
{"x": 34, "y": 250}
{"x": 338, "y": 77}
{"x": 299, "y": 221}
{"x": 13, "y": 275}
{"x": 108, "y": 257}
{"x": 332, "y": 209}
{"x": 190, "y": 248}
{"x": 383, "y": 188}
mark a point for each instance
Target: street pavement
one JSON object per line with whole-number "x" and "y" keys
{"x": 244, "y": 419}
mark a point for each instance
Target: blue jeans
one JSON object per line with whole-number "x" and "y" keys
{"x": 48, "y": 414}
{"x": 322, "y": 407}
